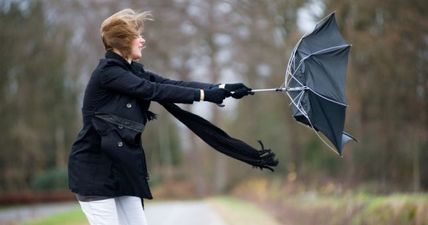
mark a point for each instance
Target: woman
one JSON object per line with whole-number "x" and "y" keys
{"x": 107, "y": 168}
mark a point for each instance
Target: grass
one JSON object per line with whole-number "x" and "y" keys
{"x": 400, "y": 209}
{"x": 73, "y": 217}
{"x": 355, "y": 209}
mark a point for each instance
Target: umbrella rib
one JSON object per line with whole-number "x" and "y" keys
{"x": 330, "y": 100}
{"x": 291, "y": 61}
{"x": 292, "y": 74}
{"x": 302, "y": 85}
{"x": 288, "y": 72}
{"x": 312, "y": 54}
{"x": 298, "y": 96}
{"x": 293, "y": 53}
{"x": 326, "y": 50}
{"x": 304, "y": 113}
{"x": 330, "y": 126}
{"x": 324, "y": 141}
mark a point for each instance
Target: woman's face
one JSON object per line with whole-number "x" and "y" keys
{"x": 137, "y": 46}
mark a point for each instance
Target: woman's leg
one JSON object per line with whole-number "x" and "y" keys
{"x": 101, "y": 212}
{"x": 130, "y": 211}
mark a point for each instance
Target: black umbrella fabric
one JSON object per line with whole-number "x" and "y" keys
{"x": 315, "y": 82}
{"x": 315, "y": 78}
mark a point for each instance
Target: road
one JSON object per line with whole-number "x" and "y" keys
{"x": 182, "y": 213}
{"x": 14, "y": 215}
{"x": 157, "y": 213}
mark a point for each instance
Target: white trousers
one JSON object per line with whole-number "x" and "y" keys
{"x": 125, "y": 210}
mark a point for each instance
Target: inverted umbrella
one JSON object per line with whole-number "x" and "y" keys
{"x": 315, "y": 82}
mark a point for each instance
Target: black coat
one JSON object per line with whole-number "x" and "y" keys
{"x": 107, "y": 158}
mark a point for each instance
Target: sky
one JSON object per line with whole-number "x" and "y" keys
{"x": 309, "y": 14}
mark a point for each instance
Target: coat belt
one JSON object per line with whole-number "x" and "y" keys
{"x": 119, "y": 121}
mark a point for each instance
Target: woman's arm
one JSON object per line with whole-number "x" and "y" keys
{"x": 191, "y": 84}
{"x": 239, "y": 90}
{"x": 120, "y": 80}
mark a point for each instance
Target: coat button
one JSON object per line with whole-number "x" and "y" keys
{"x": 129, "y": 105}
{"x": 119, "y": 144}
{"x": 120, "y": 127}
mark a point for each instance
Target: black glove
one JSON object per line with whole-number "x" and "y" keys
{"x": 216, "y": 95}
{"x": 239, "y": 90}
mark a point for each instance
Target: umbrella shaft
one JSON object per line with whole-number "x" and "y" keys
{"x": 279, "y": 89}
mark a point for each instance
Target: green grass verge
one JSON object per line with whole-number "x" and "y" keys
{"x": 398, "y": 209}
{"x": 73, "y": 217}
{"x": 356, "y": 209}
{"x": 238, "y": 212}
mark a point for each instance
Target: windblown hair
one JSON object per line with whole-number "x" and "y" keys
{"x": 118, "y": 30}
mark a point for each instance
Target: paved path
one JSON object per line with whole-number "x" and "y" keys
{"x": 182, "y": 213}
{"x": 14, "y": 215}
{"x": 157, "y": 213}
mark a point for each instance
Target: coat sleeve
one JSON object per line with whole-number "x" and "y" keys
{"x": 125, "y": 82}
{"x": 191, "y": 84}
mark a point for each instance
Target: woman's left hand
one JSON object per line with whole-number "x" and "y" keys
{"x": 238, "y": 90}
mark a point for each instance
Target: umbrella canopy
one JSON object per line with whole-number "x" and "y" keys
{"x": 315, "y": 81}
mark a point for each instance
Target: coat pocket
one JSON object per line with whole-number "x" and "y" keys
{"x": 129, "y": 131}
{"x": 121, "y": 133}
{"x": 122, "y": 145}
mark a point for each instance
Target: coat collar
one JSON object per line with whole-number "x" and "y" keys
{"x": 113, "y": 55}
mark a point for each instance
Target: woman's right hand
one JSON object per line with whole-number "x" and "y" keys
{"x": 215, "y": 95}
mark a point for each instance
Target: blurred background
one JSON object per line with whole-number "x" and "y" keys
{"x": 49, "y": 48}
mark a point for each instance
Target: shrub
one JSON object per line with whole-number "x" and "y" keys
{"x": 52, "y": 179}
